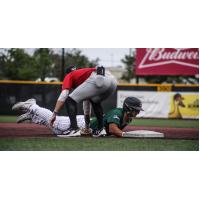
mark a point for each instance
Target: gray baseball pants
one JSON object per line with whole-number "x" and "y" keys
{"x": 96, "y": 88}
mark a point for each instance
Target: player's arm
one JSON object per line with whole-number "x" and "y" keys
{"x": 114, "y": 130}
{"x": 61, "y": 100}
{"x": 59, "y": 104}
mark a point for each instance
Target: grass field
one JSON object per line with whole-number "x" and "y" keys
{"x": 105, "y": 144}
{"x": 96, "y": 144}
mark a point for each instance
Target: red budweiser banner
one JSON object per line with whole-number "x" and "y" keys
{"x": 167, "y": 61}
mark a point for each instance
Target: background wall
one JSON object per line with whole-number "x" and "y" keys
{"x": 46, "y": 95}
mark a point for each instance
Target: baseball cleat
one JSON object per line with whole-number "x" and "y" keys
{"x": 71, "y": 133}
{"x": 99, "y": 133}
{"x": 23, "y": 118}
{"x": 24, "y": 106}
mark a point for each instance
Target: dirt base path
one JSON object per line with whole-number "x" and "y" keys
{"x": 33, "y": 130}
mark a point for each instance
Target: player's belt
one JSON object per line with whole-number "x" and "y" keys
{"x": 100, "y": 71}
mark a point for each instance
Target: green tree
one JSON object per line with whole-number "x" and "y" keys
{"x": 75, "y": 57}
{"x": 72, "y": 57}
{"x": 16, "y": 64}
{"x": 130, "y": 63}
{"x": 57, "y": 62}
{"x": 2, "y": 63}
{"x": 44, "y": 62}
{"x": 172, "y": 79}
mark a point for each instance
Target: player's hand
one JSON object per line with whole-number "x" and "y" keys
{"x": 52, "y": 120}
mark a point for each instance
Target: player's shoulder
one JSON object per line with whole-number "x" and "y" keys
{"x": 116, "y": 110}
{"x": 82, "y": 71}
{"x": 85, "y": 69}
{"x": 115, "y": 113}
{"x": 114, "y": 116}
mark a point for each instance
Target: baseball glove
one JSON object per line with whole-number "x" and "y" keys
{"x": 86, "y": 131}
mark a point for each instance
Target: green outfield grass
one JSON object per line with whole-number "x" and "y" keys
{"x": 141, "y": 122}
{"x": 8, "y": 118}
{"x": 96, "y": 144}
{"x": 173, "y": 123}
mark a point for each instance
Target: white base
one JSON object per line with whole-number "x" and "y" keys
{"x": 143, "y": 134}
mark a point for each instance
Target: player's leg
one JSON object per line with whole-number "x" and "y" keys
{"x": 88, "y": 89}
{"x": 39, "y": 115}
{"x": 83, "y": 92}
{"x": 71, "y": 107}
{"x": 42, "y": 116}
{"x": 61, "y": 124}
{"x": 30, "y": 107}
{"x": 23, "y": 106}
{"x": 87, "y": 113}
{"x": 111, "y": 86}
{"x": 97, "y": 88}
{"x": 94, "y": 86}
{"x": 80, "y": 123}
{"x": 103, "y": 96}
{"x": 98, "y": 110}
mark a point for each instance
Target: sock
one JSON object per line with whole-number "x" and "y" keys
{"x": 98, "y": 111}
{"x": 71, "y": 106}
{"x": 87, "y": 121}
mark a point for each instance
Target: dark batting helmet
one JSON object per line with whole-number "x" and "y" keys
{"x": 132, "y": 103}
{"x": 70, "y": 69}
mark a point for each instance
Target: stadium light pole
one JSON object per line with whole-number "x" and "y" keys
{"x": 62, "y": 64}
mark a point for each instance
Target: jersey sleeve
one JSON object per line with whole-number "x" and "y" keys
{"x": 67, "y": 83}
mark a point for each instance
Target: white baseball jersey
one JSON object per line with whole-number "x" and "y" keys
{"x": 42, "y": 116}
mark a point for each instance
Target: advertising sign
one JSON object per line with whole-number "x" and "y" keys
{"x": 184, "y": 105}
{"x": 167, "y": 61}
{"x": 164, "y": 104}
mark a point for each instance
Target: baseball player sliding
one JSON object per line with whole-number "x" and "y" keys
{"x": 42, "y": 116}
{"x": 114, "y": 120}
{"x": 91, "y": 85}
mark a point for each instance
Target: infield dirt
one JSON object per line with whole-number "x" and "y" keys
{"x": 33, "y": 130}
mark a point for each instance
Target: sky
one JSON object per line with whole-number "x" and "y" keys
{"x": 109, "y": 57}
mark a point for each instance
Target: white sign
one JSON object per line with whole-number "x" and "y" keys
{"x": 164, "y": 104}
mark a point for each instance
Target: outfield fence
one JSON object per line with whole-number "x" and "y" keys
{"x": 159, "y": 101}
